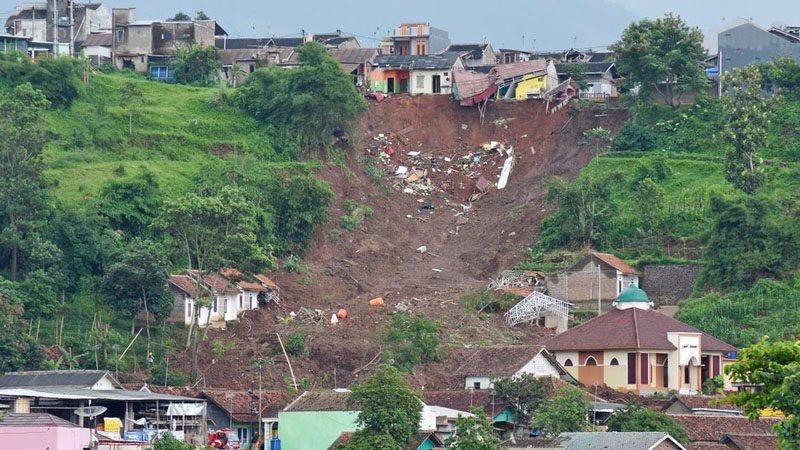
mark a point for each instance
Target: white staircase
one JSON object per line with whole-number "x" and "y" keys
{"x": 537, "y": 305}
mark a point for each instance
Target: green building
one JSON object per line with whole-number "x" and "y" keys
{"x": 315, "y": 420}
{"x": 10, "y": 43}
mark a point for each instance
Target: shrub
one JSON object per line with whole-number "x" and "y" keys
{"x": 296, "y": 344}
{"x": 481, "y": 299}
{"x": 294, "y": 264}
{"x": 412, "y": 340}
{"x": 219, "y": 347}
{"x": 635, "y": 136}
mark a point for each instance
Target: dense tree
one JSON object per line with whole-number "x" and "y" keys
{"x": 775, "y": 367}
{"x": 782, "y": 73}
{"x": 748, "y": 116}
{"x": 524, "y": 393}
{"x": 749, "y": 239}
{"x": 316, "y": 99}
{"x": 131, "y": 205}
{"x": 57, "y": 78}
{"x": 662, "y": 55}
{"x": 387, "y": 406}
{"x": 197, "y": 64}
{"x": 180, "y": 16}
{"x": 584, "y": 213}
{"x": 635, "y": 417}
{"x": 577, "y": 71}
{"x": 201, "y": 15}
{"x": 473, "y": 433}
{"x": 213, "y": 232}
{"x": 367, "y": 441}
{"x": 17, "y": 350}
{"x": 136, "y": 281}
{"x": 300, "y": 203}
{"x": 22, "y": 187}
{"x": 566, "y": 412}
{"x": 412, "y": 340}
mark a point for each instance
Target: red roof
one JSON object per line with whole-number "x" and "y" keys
{"x": 98, "y": 40}
{"x": 267, "y": 282}
{"x": 244, "y": 284}
{"x": 474, "y": 87}
{"x": 751, "y": 441}
{"x": 243, "y": 405}
{"x": 184, "y": 283}
{"x": 517, "y": 69}
{"x": 629, "y": 329}
{"x": 714, "y": 428}
{"x": 616, "y": 263}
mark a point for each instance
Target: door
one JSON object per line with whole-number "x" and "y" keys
{"x": 390, "y": 85}
{"x": 437, "y": 84}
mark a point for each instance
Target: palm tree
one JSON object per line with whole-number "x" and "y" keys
{"x": 236, "y": 72}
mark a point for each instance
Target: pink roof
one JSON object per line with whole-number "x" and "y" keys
{"x": 506, "y": 71}
{"x": 616, "y": 263}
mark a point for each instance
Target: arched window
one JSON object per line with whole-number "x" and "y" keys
{"x": 568, "y": 363}
{"x": 614, "y": 362}
{"x": 590, "y": 361}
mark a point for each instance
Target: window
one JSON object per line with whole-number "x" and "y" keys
{"x": 121, "y": 35}
{"x": 568, "y": 363}
{"x": 686, "y": 378}
{"x": 631, "y": 368}
{"x": 241, "y": 301}
{"x": 243, "y": 434}
{"x": 214, "y": 305}
{"x": 420, "y": 81}
{"x": 509, "y": 58}
{"x": 189, "y": 307}
{"x": 645, "y": 368}
{"x": 476, "y": 385}
{"x": 590, "y": 361}
{"x": 614, "y": 362}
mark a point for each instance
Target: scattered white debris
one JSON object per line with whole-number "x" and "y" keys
{"x": 422, "y": 249}
{"x": 437, "y": 270}
{"x": 402, "y": 170}
{"x": 501, "y": 184}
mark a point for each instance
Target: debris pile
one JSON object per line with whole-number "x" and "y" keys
{"x": 439, "y": 178}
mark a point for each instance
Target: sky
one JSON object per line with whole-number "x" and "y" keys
{"x": 524, "y": 24}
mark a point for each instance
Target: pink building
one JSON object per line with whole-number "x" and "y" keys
{"x": 39, "y": 431}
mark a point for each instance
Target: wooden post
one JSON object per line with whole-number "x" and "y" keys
{"x": 291, "y": 371}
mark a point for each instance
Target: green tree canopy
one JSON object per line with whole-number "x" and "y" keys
{"x": 316, "y": 99}
{"x": 525, "y": 394}
{"x": 197, "y": 64}
{"x": 662, "y": 55}
{"x": 577, "y": 71}
{"x": 387, "y": 405}
{"x": 567, "y": 411}
{"x": 412, "y": 339}
{"x": 775, "y": 367}
{"x": 748, "y": 115}
{"x": 635, "y": 417}
{"x": 201, "y": 15}
{"x": 22, "y": 187}
{"x": 17, "y": 349}
{"x": 473, "y": 433}
{"x": 136, "y": 280}
{"x": 180, "y": 16}
{"x": 131, "y": 204}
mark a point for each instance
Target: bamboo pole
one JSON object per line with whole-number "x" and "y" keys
{"x": 291, "y": 371}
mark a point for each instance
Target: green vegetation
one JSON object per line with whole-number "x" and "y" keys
{"x": 525, "y": 394}
{"x": 219, "y": 347}
{"x": 775, "y": 367}
{"x": 57, "y": 78}
{"x": 197, "y": 64}
{"x": 389, "y": 410}
{"x": 742, "y": 317}
{"x": 356, "y": 213}
{"x": 473, "y": 433}
{"x": 481, "y": 299}
{"x": 638, "y": 418}
{"x": 296, "y": 344}
{"x": 412, "y": 340}
{"x": 566, "y": 412}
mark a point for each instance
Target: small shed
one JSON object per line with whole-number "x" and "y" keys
{"x": 41, "y": 430}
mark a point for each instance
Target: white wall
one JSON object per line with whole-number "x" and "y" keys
{"x": 485, "y": 382}
{"x": 538, "y": 366}
{"x": 426, "y": 78}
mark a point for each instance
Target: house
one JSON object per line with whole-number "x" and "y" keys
{"x": 487, "y": 364}
{"x": 62, "y": 392}
{"x": 231, "y": 294}
{"x": 474, "y": 55}
{"x": 427, "y": 74}
{"x": 149, "y": 46}
{"x": 41, "y": 430}
{"x": 711, "y": 432}
{"x": 10, "y": 43}
{"x": 633, "y": 348}
{"x": 329, "y": 415}
{"x": 500, "y": 413}
{"x": 335, "y": 40}
{"x": 747, "y": 43}
{"x": 701, "y": 404}
{"x": 473, "y": 88}
{"x": 355, "y": 61}
{"x": 423, "y": 440}
{"x": 238, "y": 410}
{"x": 75, "y": 21}
{"x": 601, "y": 78}
{"x": 509, "y": 56}
{"x": 625, "y": 440}
{"x": 596, "y": 276}
{"x": 415, "y": 38}
{"x": 315, "y": 419}
{"x": 525, "y": 79}
{"x": 97, "y": 47}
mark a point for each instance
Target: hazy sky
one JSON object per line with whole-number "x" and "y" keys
{"x": 545, "y": 25}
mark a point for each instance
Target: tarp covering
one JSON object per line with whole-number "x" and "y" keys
{"x": 185, "y": 409}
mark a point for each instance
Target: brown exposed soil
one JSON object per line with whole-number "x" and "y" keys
{"x": 467, "y": 243}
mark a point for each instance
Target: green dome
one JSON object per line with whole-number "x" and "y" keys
{"x": 633, "y": 294}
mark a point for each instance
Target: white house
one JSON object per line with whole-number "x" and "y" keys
{"x": 485, "y": 365}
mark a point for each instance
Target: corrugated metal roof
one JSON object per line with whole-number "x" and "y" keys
{"x": 56, "y": 392}
{"x": 66, "y": 378}
{"x": 604, "y": 440}
{"x": 507, "y": 71}
{"x": 98, "y": 40}
{"x": 35, "y": 420}
{"x": 417, "y": 62}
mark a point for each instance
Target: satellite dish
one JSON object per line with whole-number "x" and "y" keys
{"x": 90, "y": 411}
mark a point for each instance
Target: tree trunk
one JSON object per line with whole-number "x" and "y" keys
{"x": 14, "y": 257}
{"x": 146, "y": 319}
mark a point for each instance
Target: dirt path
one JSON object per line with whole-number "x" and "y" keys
{"x": 467, "y": 243}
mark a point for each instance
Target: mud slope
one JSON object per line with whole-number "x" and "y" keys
{"x": 379, "y": 259}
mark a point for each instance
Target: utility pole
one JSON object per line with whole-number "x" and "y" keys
{"x": 55, "y": 27}
{"x": 72, "y": 29}
{"x": 598, "y": 290}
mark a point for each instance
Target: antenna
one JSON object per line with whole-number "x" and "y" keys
{"x": 90, "y": 411}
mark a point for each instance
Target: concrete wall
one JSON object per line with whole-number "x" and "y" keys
{"x": 422, "y": 81}
{"x": 747, "y": 44}
{"x": 485, "y": 382}
{"x": 438, "y": 41}
{"x": 379, "y": 80}
{"x": 531, "y": 87}
{"x": 668, "y": 284}
{"x": 313, "y": 430}
{"x": 36, "y": 29}
{"x": 580, "y": 283}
